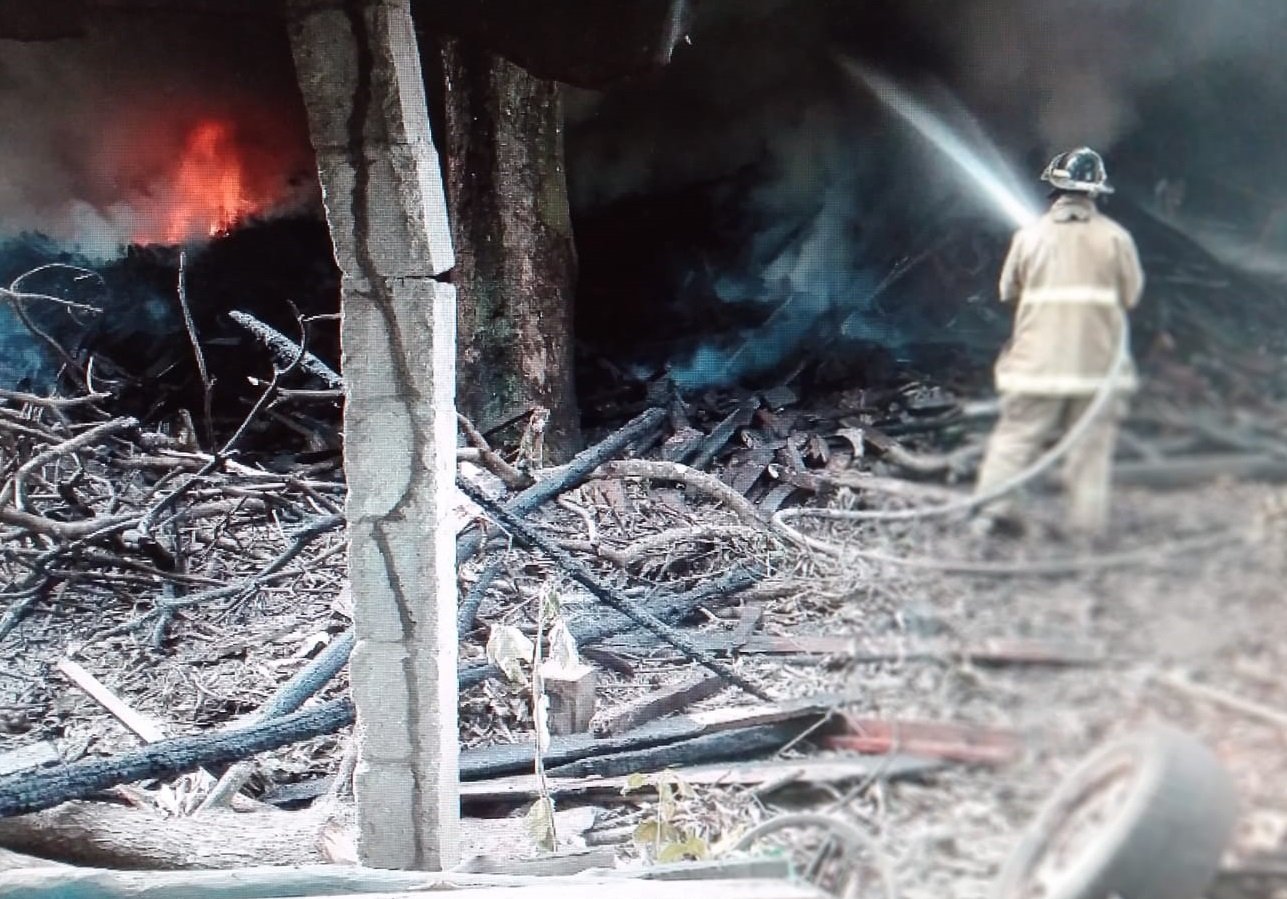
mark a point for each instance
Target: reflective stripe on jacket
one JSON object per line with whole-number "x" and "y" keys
{"x": 1070, "y": 272}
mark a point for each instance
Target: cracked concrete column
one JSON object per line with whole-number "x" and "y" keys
{"x": 359, "y": 71}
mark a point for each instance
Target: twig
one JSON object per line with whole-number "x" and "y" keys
{"x": 22, "y": 602}
{"x": 288, "y": 698}
{"x": 13, "y": 489}
{"x": 513, "y": 478}
{"x": 24, "y": 296}
{"x": 598, "y": 550}
{"x": 16, "y": 286}
{"x": 228, "y": 786}
{"x": 328, "y": 395}
{"x": 342, "y": 785}
{"x": 52, "y": 402}
{"x": 540, "y": 715}
{"x": 68, "y": 530}
{"x": 816, "y": 482}
{"x": 217, "y": 459}
{"x": 27, "y": 430}
{"x": 607, "y": 595}
{"x": 44, "y": 789}
{"x": 591, "y": 530}
{"x": 303, "y": 537}
{"x": 308, "y": 680}
{"x": 207, "y": 385}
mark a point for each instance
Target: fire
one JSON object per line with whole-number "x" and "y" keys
{"x": 208, "y": 195}
{"x": 185, "y": 182}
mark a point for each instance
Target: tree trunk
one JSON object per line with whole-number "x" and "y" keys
{"x": 113, "y": 836}
{"x": 515, "y": 261}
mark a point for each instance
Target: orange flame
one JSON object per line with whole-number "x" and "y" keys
{"x": 209, "y": 194}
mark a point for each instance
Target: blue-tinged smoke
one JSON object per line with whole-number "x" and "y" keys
{"x": 129, "y": 309}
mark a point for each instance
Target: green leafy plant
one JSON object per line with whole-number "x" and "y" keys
{"x": 662, "y": 835}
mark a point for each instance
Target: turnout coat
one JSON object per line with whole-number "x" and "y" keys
{"x": 1073, "y": 273}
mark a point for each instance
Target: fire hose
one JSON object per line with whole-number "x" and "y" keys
{"x": 1099, "y": 402}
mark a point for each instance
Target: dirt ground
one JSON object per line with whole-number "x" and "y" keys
{"x": 1215, "y": 615}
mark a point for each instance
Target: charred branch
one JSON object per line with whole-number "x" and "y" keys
{"x": 24, "y": 793}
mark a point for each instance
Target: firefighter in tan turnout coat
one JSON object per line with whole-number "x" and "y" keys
{"x": 1074, "y": 273}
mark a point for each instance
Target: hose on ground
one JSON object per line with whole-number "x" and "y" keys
{"x": 1099, "y": 402}
{"x": 856, "y": 842}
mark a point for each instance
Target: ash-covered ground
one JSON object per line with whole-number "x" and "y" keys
{"x": 1212, "y": 615}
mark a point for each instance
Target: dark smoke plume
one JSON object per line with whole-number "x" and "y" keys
{"x": 824, "y": 191}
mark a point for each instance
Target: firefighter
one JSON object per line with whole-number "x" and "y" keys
{"x": 1073, "y": 274}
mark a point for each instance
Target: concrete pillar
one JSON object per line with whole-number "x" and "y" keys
{"x": 359, "y": 71}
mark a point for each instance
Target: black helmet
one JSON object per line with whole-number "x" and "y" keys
{"x": 1080, "y": 170}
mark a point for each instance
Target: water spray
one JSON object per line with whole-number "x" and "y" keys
{"x": 989, "y": 180}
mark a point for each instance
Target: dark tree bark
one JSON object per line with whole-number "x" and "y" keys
{"x": 502, "y": 139}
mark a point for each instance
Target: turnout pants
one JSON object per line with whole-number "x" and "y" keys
{"x": 1030, "y": 424}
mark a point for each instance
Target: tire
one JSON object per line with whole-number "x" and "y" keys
{"x": 1145, "y": 817}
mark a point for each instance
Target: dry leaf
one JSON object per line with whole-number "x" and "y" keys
{"x": 541, "y": 718}
{"x": 508, "y": 648}
{"x": 540, "y": 823}
{"x": 337, "y": 844}
{"x": 564, "y": 657}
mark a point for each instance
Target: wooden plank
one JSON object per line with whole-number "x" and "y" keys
{"x": 572, "y": 695}
{"x": 145, "y": 728}
{"x": 525, "y": 787}
{"x": 699, "y": 685}
{"x": 722, "y": 433}
{"x": 813, "y": 771}
{"x": 556, "y": 864}
{"x": 750, "y": 468}
{"x": 747, "y": 622}
{"x": 987, "y": 652}
{"x": 774, "y": 499}
{"x": 949, "y": 741}
{"x": 762, "y": 867}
